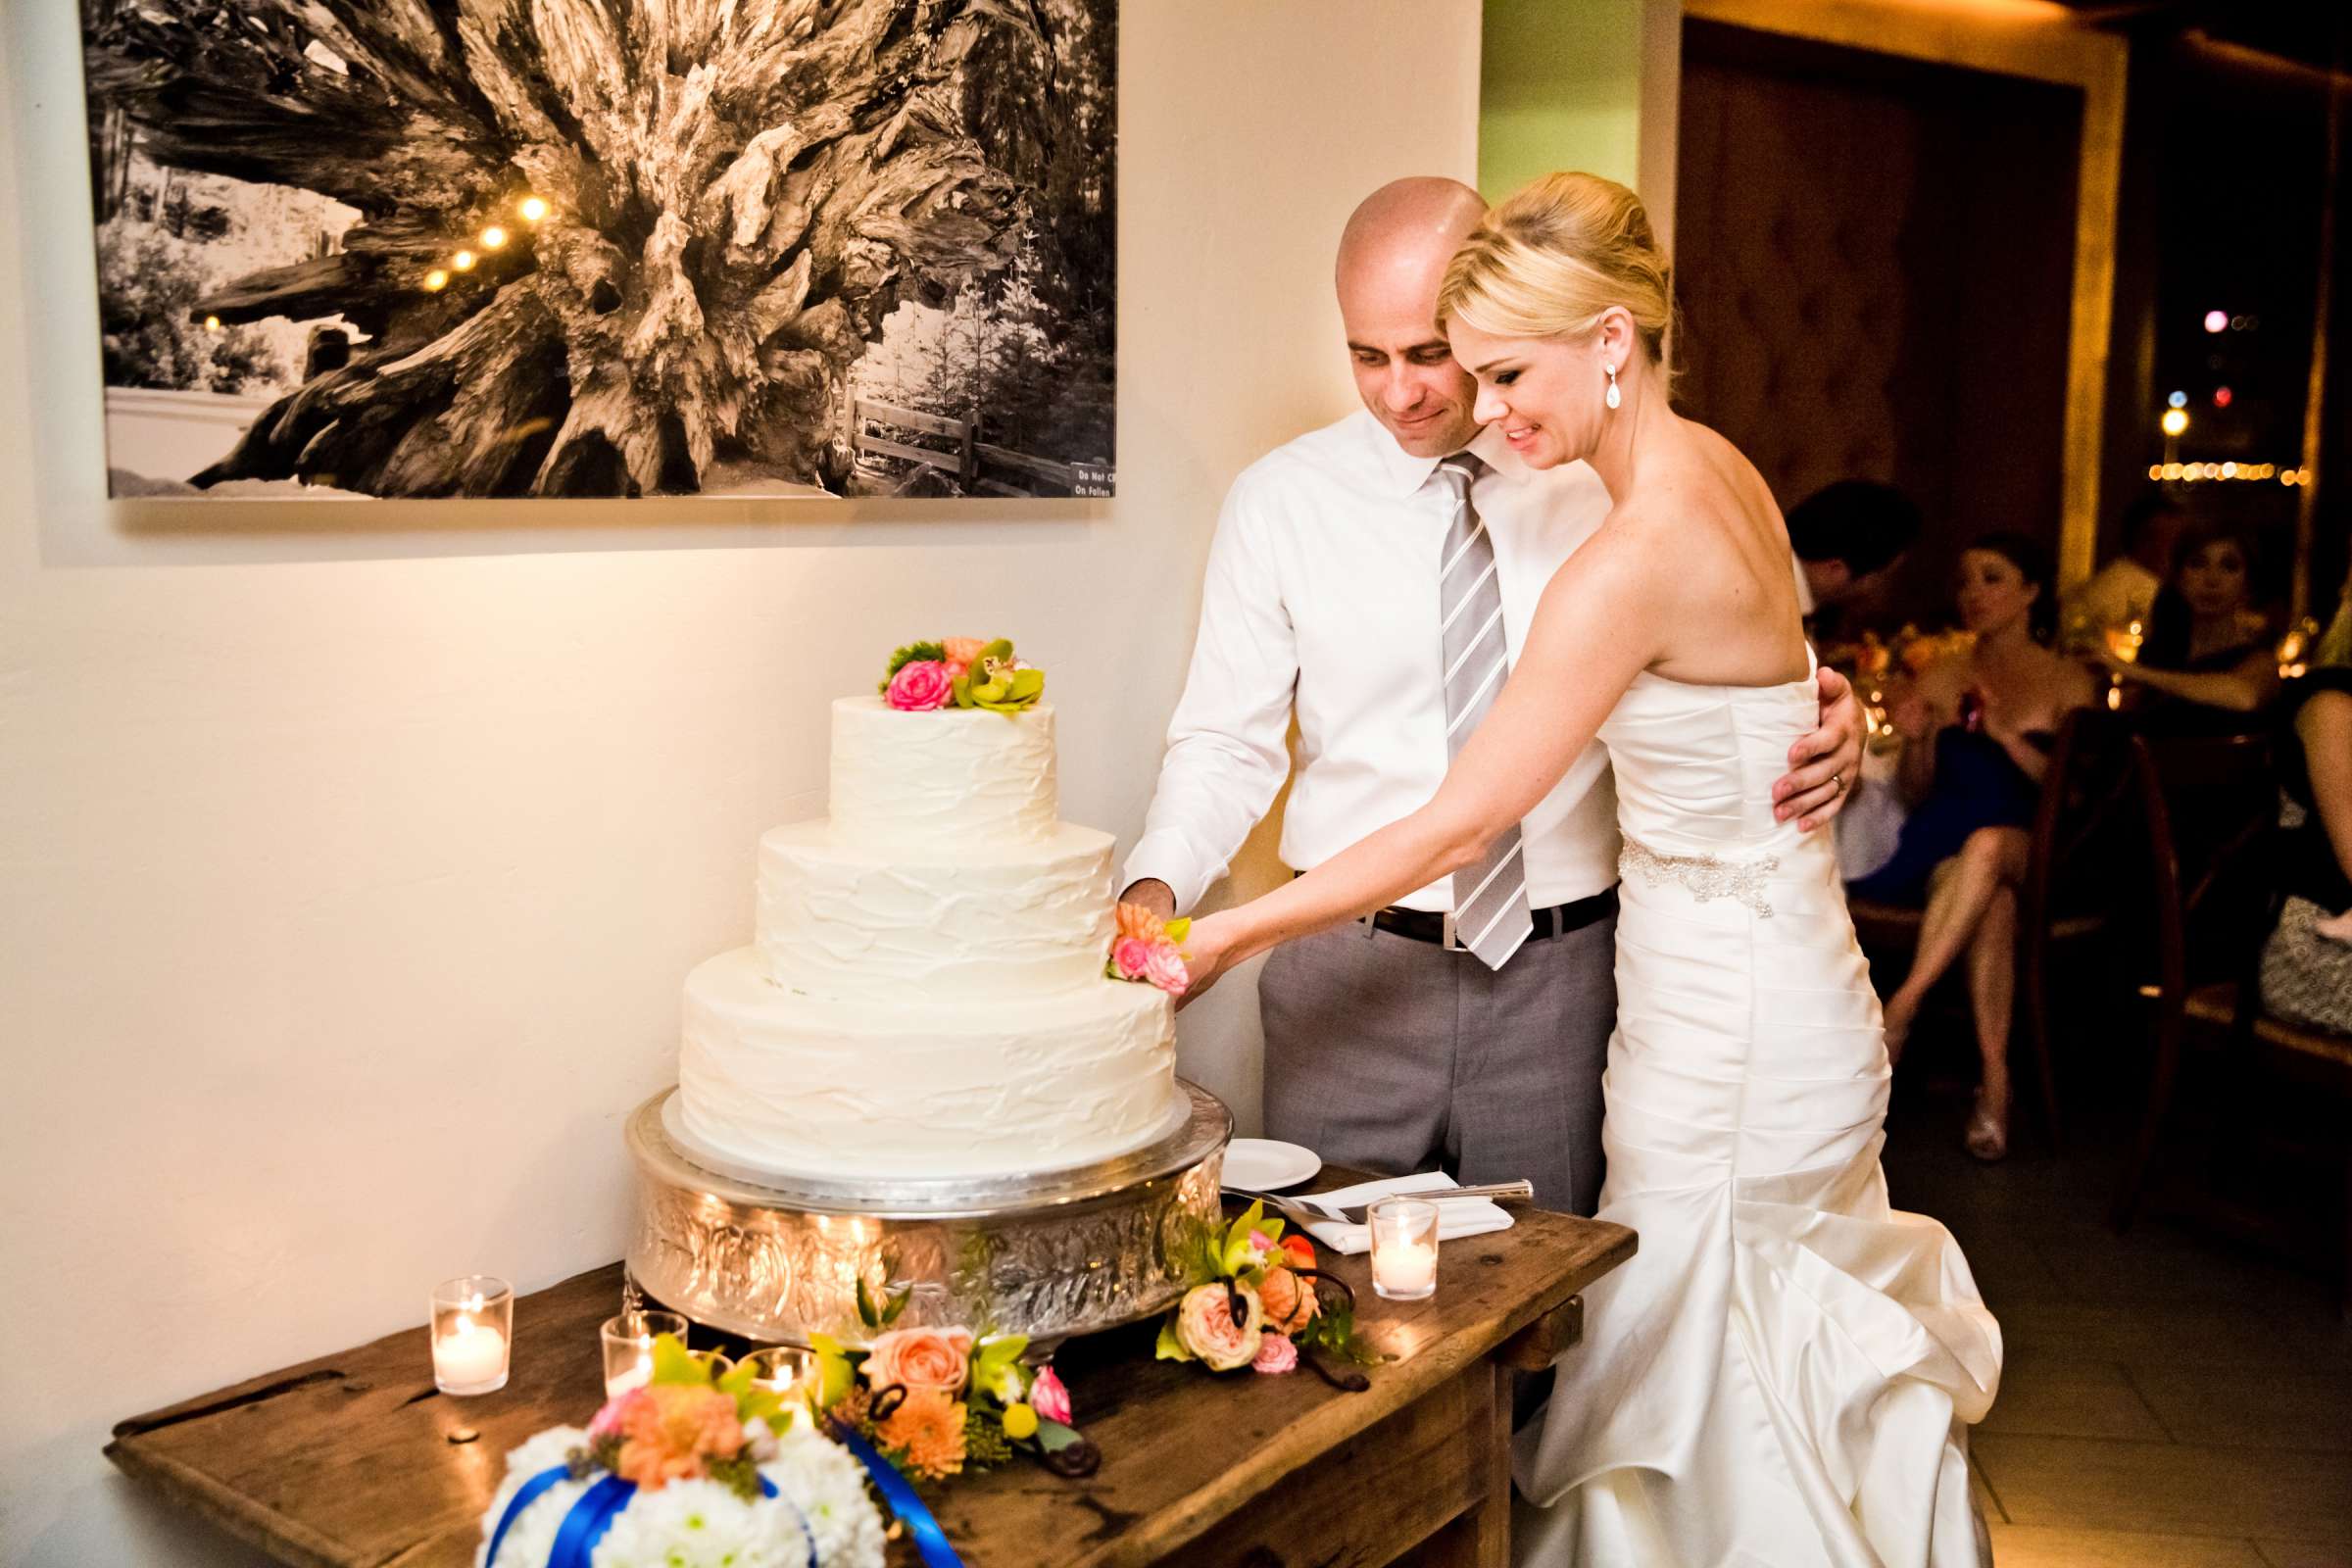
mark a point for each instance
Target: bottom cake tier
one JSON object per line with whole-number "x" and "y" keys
{"x": 883, "y": 1087}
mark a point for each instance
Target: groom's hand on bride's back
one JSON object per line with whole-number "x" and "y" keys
{"x": 1825, "y": 764}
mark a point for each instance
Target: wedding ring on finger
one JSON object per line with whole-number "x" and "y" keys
{"x": 1839, "y": 780}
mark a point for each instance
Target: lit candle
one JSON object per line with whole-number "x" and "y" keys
{"x": 470, "y": 1357}
{"x": 472, "y": 1331}
{"x": 1407, "y": 1271}
{"x": 780, "y": 1369}
{"x": 636, "y": 1375}
{"x": 1404, "y": 1249}
{"x": 629, "y": 1341}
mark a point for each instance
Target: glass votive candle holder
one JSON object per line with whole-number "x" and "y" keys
{"x": 784, "y": 1369}
{"x": 629, "y": 1348}
{"x": 1404, "y": 1249}
{"x": 472, "y": 1333}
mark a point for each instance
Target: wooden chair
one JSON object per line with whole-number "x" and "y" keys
{"x": 2064, "y": 900}
{"x": 2239, "y": 887}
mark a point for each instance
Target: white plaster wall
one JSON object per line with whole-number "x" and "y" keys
{"x": 351, "y": 856}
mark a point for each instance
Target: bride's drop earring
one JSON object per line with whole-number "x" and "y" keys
{"x": 1612, "y": 397}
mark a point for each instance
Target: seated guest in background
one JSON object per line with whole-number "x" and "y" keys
{"x": 2208, "y": 662}
{"x": 1978, "y": 728}
{"x": 2123, "y": 590}
{"x": 1847, "y": 537}
{"x": 2307, "y": 963}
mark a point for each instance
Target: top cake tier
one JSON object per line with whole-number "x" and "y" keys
{"x": 952, "y": 774}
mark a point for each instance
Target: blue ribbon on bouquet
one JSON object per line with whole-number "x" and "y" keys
{"x": 592, "y": 1516}
{"x": 905, "y": 1503}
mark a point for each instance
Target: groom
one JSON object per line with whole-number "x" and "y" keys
{"x": 1412, "y": 1038}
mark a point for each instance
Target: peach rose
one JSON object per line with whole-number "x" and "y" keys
{"x": 1290, "y": 1301}
{"x": 1298, "y": 1251}
{"x": 1275, "y": 1353}
{"x": 928, "y": 1428}
{"x": 920, "y": 1358}
{"x": 1206, "y": 1325}
{"x": 961, "y": 650}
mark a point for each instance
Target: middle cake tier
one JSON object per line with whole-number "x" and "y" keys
{"x": 840, "y": 917}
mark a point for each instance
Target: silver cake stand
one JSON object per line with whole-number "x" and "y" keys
{"x": 776, "y": 1259}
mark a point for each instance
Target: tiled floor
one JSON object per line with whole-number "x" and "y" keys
{"x": 2170, "y": 1400}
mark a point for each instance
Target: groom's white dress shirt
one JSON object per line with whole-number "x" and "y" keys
{"x": 1322, "y": 595}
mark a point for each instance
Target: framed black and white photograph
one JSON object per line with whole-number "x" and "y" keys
{"x": 605, "y": 248}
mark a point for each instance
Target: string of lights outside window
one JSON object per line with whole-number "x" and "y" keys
{"x": 2174, "y": 423}
{"x": 2125, "y": 641}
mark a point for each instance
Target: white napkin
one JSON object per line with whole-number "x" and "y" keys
{"x": 1463, "y": 1216}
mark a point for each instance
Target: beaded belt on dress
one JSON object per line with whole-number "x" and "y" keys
{"x": 1707, "y": 876}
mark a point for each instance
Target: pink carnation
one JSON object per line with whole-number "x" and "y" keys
{"x": 919, "y": 686}
{"x": 1164, "y": 967}
{"x": 1132, "y": 957}
{"x": 1049, "y": 1397}
{"x": 1275, "y": 1353}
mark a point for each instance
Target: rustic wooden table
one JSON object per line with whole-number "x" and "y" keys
{"x": 353, "y": 1459}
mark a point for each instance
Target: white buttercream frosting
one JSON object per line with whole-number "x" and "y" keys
{"x": 983, "y": 918}
{"x": 832, "y": 1085}
{"x": 956, "y": 774}
{"x": 926, "y": 995}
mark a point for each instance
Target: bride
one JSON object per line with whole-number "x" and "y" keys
{"x": 1786, "y": 1372}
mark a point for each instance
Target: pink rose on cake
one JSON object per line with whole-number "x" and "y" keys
{"x": 919, "y": 686}
{"x": 1146, "y": 949}
{"x": 920, "y": 1358}
{"x": 1130, "y": 959}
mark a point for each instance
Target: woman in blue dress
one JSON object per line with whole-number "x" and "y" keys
{"x": 1978, "y": 728}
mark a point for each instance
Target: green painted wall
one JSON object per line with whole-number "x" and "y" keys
{"x": 1559, "y": 87}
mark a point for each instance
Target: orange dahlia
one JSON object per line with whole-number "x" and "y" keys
{"x": 928, "y": 1428}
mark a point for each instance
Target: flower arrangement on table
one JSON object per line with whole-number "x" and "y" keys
{"x": 1148, "y": 949}
{"x": 960, "y": 672}
{"x": 1881, "y": 668}
{"x": 690, "y": 1470}
{"x": 1871, "y": 659}
{"x": 1255, "y": 1300}
{"x": 934, "y": 1401}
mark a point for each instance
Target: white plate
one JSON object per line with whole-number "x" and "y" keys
{"x": 1264, "y": 1165}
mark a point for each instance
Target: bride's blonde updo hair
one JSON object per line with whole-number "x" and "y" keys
{"x": 1554, "y": 256}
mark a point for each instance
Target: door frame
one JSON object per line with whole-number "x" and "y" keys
{"x": 2039, "y": 41}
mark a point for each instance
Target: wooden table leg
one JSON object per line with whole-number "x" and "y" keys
{"x": 1481, "y": 1537}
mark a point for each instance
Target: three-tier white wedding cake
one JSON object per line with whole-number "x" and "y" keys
{"x": 926, "y": 997}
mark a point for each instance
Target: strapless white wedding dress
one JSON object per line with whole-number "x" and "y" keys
{"x": 1786, "y": 1372}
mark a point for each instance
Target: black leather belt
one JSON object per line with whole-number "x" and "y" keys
{"x": 1432, "y": 926}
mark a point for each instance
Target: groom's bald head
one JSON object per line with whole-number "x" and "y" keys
{"x": 1422, "y": 218}
{"x": 1393, "y": 256}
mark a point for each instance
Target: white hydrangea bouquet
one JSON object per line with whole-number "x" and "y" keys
{"x": 686, "y": 1472}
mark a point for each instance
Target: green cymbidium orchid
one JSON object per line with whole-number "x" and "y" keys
{"x": 997, "y": 683}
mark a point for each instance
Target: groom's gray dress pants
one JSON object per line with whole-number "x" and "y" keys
{"x": 1396, "y": 1056}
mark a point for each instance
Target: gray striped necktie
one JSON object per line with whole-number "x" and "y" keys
{"x": 1490, "y": 903}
